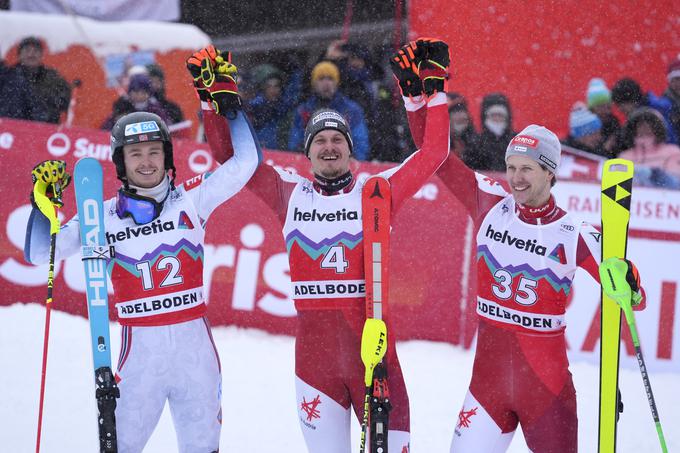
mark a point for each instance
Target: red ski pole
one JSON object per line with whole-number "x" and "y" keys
{"x": 48, "y": 311}
{"x": 49, "y": 208}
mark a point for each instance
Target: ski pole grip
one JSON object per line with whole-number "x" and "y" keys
{"x": 373, "y": 346}
{"x": 48, "y": 209}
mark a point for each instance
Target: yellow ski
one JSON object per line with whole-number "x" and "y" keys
{"x": 617, "y": 185}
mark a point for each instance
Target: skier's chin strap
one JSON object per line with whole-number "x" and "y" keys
{"x": 142, "y": 204}
{"x": 334, "y": 186}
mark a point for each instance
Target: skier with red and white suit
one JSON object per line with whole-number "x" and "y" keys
{"x": 322, "y": 229}
{"x": 158, "y": 230}
{"x": 528, "y": 250}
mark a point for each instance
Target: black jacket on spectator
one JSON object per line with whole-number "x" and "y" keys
{"x": 173, "y": 109}
{"x": 466, "y": 145}
{"x": 50, "y": 88}
{"x": 610, "y": 128}
{"x": 390, "y": 137}
{"x": 16, "y": 97}
{"x": 490, "y": 154}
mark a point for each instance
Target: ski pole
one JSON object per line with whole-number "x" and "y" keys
{"x": 54, "y": 229}
{"x": 48, "y": 310}
{"x": 623, "y": 296}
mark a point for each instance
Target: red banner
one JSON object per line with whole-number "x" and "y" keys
{"x": 246, "y": 267}
{"x": 541, "y": 54}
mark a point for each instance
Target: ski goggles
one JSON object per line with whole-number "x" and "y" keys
{"x": 142, "y": 209}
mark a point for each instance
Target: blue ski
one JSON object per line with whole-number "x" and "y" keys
{"x": 88, "y": 183}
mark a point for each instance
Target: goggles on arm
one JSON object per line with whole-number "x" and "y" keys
{"x": 142, "y": 209}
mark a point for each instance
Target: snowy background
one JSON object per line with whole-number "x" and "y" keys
{"x": 258, "y": 402}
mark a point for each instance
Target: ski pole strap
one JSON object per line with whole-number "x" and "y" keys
{"x": 96, "y": 252}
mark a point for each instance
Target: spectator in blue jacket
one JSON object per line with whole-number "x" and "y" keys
{"x": 272, "y": 103}
{"x": 325, "y": 79}
{"x": 672, "y": 93}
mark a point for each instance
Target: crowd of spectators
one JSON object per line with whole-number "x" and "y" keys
{"x": 649, "y": 134}
{"x": 145, "y": 93}
{"x": 281, "y": 96}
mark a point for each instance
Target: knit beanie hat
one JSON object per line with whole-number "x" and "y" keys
{"x": 537, "y": 143}
{"x": 325, "y": 69}
{"x": 582, "y": 121}
{"x": 626, "y": 90}
{"x": 674, "y": 70}
{"x": 597, "y": 93}
{"x": 324, "y": 119}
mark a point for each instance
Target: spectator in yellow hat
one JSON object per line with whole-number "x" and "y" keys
{"x": 325, "y": 79}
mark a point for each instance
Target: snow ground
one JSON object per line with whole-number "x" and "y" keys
{"x": 258, "y": 399}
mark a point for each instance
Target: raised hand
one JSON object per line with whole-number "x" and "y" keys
{"x": 404, "y": 64}
{"x": 194, "y": 66}
{"x": 434, "y": 66}
{"x": 219, "y": 78}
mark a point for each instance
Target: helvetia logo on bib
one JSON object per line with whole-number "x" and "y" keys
{"x": 184, "y": 222}
{"x": 530, "y": 245}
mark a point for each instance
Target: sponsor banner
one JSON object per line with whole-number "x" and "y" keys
{"x": 246, "y": 273}
{"x": 651, "y": 210}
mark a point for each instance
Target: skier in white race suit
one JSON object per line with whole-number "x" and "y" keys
{"x": 157, "y": 230}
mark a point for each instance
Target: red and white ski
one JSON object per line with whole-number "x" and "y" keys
{"x": 376, "y": 203}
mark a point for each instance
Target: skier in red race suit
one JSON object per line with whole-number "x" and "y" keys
{"x": 528, "y": 250}
{"x": 322, "y": 229}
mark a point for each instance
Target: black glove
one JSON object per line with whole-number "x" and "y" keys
{"x": 404, "y": 65}
{"x": 434, "y": 66}
{"x": 219, "y": 77}
{"x": 194, "y": 66}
